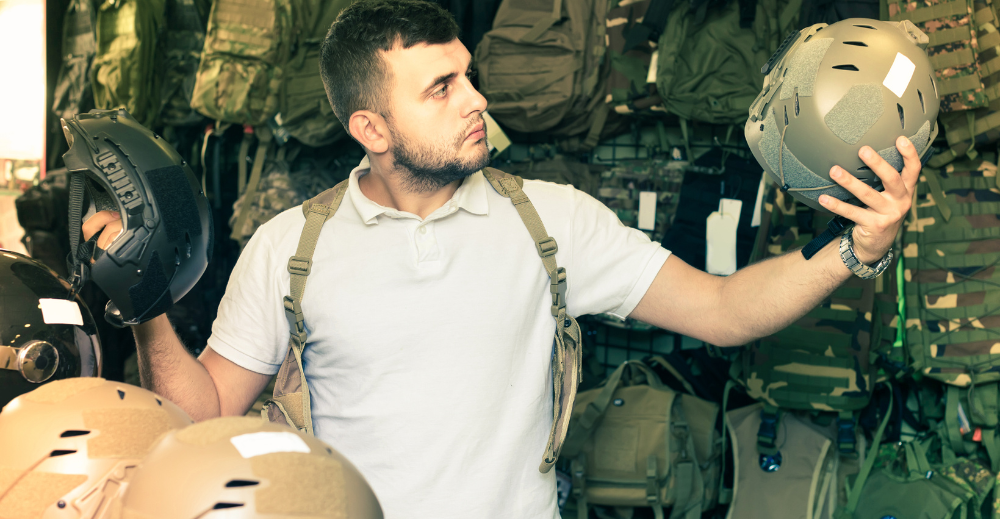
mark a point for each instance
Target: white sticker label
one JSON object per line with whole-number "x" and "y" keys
{"x": 899, "y": 75}
{"x": 647, "y": 210}
{"x": 731, "y": 207}
{"x": 258, "y": 444}
{"x": 60, "y": 311}
{"x": 720, "y": 256}
{"x": 654, "y": 62}
{"x": 759, "y": 204}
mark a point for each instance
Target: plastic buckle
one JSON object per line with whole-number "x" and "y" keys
{"x": 296, "y": 321}
{"x": 845, "y": 436}
{"x": 768, "y": 429}
{"x": 546, "y": 246}
{"x": 557, "y": 287}
{"x": 299, "y": 266}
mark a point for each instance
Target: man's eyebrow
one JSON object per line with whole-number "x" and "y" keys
{"x": 443, "y": 79}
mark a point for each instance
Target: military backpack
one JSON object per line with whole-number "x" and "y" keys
{"x": 181, "y": 47}
{"x": 73, "y": 92}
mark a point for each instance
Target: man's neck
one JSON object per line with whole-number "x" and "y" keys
{"x": 385, "y": 187}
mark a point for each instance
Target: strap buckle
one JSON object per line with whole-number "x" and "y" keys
{"x": 767, "y": 433}
{"x": 299, "y": 266}
{"x": 546, "y": 247}
{"x": 845, "y": 436}
{"x": 557, "y": 287}
{"x": 296, "y": 320}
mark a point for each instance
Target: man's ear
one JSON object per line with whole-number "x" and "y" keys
{"x": 370, "y": 130}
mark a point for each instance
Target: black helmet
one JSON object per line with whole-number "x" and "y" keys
{"x": 166, "y": 239}
{"x": 46, "y": 331}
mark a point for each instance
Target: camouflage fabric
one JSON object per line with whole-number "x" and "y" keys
{"x": 242, "y": 64}
{"x": 181, "y": 54}
{"x": 123, "y": 72}
{"x": 622, "y": 184}
{"x": 820, "y": 362}
{"x": 72, "y": 92}
{"x": 626, "y": 88}
{"x": 953, "y": 48}
{"x": 561, "y": 170}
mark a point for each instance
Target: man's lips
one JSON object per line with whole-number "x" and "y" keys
{"x": 476, "y": 133}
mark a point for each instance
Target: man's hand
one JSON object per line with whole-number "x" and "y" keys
{"x": 876, "y": 226}
{"x": 110, "y": 221}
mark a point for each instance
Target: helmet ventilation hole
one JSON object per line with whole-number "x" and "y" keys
{"x": 187, "y": 241}
{"x": 70, "y": 434}
{"x": 856, "y": 43}
{"x": 935, "y": 87}
{"x": 177, "y": 256}
{"x": 58, "y": 453}
{"x": 920, "y": 95}
{"x": 902, "y": 121}
{"x": 796, "y": 102}
{"x": 864, "y": 168}
{"x": 222, "y": 506}
{"x": 235, "y": 483}
{"x": 852, "y": 68}
{"x": 761, "y": 127}
{"x": 121, "y": 394}
{"x": 786, "y": 116}
{"x": 866, "y": 27}
{"x": 159, "y": 402}
{"x": 807, "y": 38}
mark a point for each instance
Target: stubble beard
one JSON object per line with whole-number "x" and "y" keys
{"x": 431, "y": 168}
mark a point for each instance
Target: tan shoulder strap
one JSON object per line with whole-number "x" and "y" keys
{"x": 290, "y": 403}
{"x": 567, "y": 354}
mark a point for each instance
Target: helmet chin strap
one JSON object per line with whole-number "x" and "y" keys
{"x": 79, "y": 266}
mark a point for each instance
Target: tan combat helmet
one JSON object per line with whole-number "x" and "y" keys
{"x": 68, "y": 447}
{"x": 240, "y": 467}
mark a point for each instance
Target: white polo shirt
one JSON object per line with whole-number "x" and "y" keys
{"x": 430, "y": 341}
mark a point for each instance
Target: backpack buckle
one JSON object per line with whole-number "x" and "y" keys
{"x": 845, "y": 436}
{"x": 557, "y": 287}
{"x": 296, "y": 320}
{"x": 546, "y": 246}
{"x": 299, "y": 265}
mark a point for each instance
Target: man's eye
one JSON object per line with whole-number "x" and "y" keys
{"x": 471, "y": 74}
{"x": 441, "y": 93}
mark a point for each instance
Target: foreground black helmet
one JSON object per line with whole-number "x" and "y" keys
{"x": 166, "y": 239}
{"x": 46, "y": 331}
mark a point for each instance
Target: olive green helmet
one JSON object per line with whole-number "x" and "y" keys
{"x": 243, "y": 468}
{"x": 828, "y": 91}
{"x": 68, "y": 447}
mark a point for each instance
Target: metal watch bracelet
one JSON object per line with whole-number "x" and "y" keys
{"x": 851, "y": 260}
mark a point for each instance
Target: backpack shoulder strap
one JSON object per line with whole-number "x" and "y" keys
{"x": 290, "y": 403}
{"x": 567, "y": 355}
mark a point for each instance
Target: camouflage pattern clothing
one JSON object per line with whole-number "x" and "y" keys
{"x": 181, "y": 53}
{"x": 952, "y": 50}
{"x": 621, "y": 187}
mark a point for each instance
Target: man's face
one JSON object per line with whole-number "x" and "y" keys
{"x": 435, "y": 119}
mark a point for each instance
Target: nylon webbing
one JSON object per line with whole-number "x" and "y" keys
{"x": 952, "y": 59}
{"x": 859, "y": 483}
{"x": 956, "y": 85}
{"x": 961, "y": 133}
{"x": 940, "y": 200}
{"x": 943, "y": 37}
{"x": 543, "y": 24}
{"x": 943, "y": 10}
{"x": 264, "y": 137}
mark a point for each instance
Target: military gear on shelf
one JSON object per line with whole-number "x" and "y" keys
{"x": 878, "y": 81}
{"x": 952, "y": 327}
{"x": 644, "y": 194}
{"x": 822, "y": 361}
{"x": 46, "y": 331}
{"x": 247, "y": 48}
{"x": 952, "y": 49}
{"x": 800, "y": 480}
{"x": 544, "y": 66}
{"x": 68, "y": 447}
{"x": 183, "y": 41}
{"x": 166, "y": 239}
{"x": 634, "y": 442}
{"x": 561, "y": 170}
{"x": 73, "y": 93}
{"x": 630, "y": 53}
{"x": 920, "y": 489}
{"x": 124, "y": 69}
{"x": 291, "y": 402}
{"x": 833, "y": 11}
{"x": 260, "y": 469}
{"x": 708, "y": 63}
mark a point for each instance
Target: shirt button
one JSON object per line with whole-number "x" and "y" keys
{"x": 423, "y": 230}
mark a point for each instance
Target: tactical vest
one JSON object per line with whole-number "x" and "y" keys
{"x": 544, "y": 65}
{"x": 951, "y": 248}
{"x": 183, "y": 41}
{"x": 820, "y": 363}
{"x": 290, "y": 404}
{"x": 622, "y": 189}
{"x": 123, "y": 73}
{"x": 634, "y": 442}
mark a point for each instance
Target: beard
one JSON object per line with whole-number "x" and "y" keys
{"x": 430, "y": 168}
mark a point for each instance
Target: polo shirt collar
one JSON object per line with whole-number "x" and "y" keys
{"x": 470, "y": 196}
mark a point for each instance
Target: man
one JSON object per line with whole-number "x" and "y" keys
{"x": 427, "y": 305}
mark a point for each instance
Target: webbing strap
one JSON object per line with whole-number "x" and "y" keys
{"x": 983, "y": 17}
{"x": 990, "y": 67}
{"x": 945, "y": 36}
{"x": 960, "y": 84}
{"x": 991, "y": 38}
{"x": 943, "y": 10}
{"x": 578, "y": 467}
{"x": 264, "y": 137}
{"x": 940, "y": 200}
{"x": 543, "y": 24}
{"x": 653, "y": 485}
{"x": 952, "y": 59}
{"x": 585, "y": 423}
{"x": 600, "y": 117}
{"x": 952, "y": 183}
{"x": 241, "y": 161}
{"x": 981, "y": 125}
{"x": 992, "y": 443}
{"x": 725, "y": 494}
{"x": 859, "y": 484}
{"x": 952, "y": 427}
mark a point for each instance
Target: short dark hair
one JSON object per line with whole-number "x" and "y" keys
{"x": 355, "y": 75}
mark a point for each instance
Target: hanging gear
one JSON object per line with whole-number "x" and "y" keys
{"x": 69, "y": 446}
{"x": 252, "y": 469}
{"x": 855, "y": 83}
{"x": 166, "y": 239}
{"x": 46, "y": 331}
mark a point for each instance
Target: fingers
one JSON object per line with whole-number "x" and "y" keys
{"x": 891, "y": 180}
{"x": 849, "y": 211}
{"x": 98, "y": 221}
{"x": 911, "y": 163}
{"x": 859, "y": 189}
{"x": 108, "y": 235}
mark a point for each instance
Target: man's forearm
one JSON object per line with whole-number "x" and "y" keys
{"x": 166, "y": 368}
{"x": 766, "y": 297}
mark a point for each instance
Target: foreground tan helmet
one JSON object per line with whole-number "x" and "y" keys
{"x": 239, "y": 467}
{"x": 67, "y": 447}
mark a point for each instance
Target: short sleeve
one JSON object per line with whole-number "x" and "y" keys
{"x": 251, "y": 329}
{"x": 610, "y": 266}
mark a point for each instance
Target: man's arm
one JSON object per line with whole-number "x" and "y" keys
{"x": 206, "y": 387}
{"x": 768, "y": 296}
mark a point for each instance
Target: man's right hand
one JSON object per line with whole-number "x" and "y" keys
{"x": 110, "y": 221}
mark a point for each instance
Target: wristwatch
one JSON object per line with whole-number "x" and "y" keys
{"x": 860, "y": 269}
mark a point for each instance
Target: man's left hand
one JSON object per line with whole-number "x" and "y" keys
{"x": 876, "y": 225}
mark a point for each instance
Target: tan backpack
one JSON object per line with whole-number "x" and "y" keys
{"x": 290, "y": 403}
